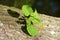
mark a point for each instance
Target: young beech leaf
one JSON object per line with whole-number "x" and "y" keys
{"x": 32, "y": 30}
{"x": 35, "y": 14}
{"x": 27, "y": 10}
{"x": 35, "y": 20}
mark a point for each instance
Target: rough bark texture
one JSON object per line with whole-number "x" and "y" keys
{"x": 11, "y": 30}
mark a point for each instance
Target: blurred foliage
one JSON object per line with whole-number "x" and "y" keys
{"x": 16, "y": 3}
{"x": 48, "y": 7}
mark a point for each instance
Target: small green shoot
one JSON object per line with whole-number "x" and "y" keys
{"x": 27, "y": 10}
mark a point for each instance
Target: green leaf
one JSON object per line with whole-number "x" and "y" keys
{"x": 27, "y": 10}
{"x": 35, "y": 20}
{"x": 32, "y": 30}
{"x": 35, "y": 14}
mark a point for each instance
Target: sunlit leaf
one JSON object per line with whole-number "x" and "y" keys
{"x": 32, "y": 30}
{"x": 27, "y": 10}
{"x": 35, "y": 20}
{"x": 35, "y": 14}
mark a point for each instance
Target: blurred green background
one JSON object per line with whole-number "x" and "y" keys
{"x": 16, "y": 3}
{"x": 48, "y": 7}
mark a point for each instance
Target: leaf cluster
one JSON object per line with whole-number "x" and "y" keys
{"x": 27, "y": 11}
